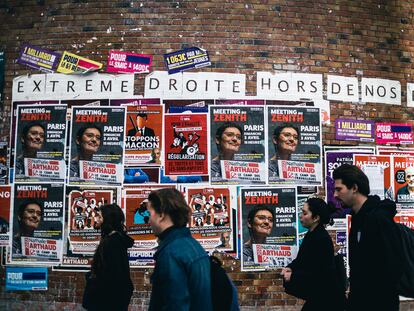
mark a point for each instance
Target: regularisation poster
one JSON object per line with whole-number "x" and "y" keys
{"x": 97, "y": 146}
{"x": 211, "y": 217}
{"x": 5, "y": 202}
{"x": 186, "y": 144}
{"x": 334, "y": 158}
{"x": 237, "y": 152}
{"x": 378, "y": 170}
{"x": 403, "y": 180}
{"x": 143, "y": 135}
{"x": 83, "y": 205}
{"x": 40, "y": 143}
{"x": 37, "y": 223}
{"x": 294, "y": 145}
{"x": 269, "y": 233}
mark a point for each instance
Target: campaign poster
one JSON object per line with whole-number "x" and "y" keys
{"x": 143, "y": 135}
{"x": 38, "y": 58}
{"x": 268, "y": 217}
{"x": 40, "y": 143}
{"x": 187, "y": 105}
{"x": 72, "y": 63}
{"x": 4, "y": 166}
{"x": 394, "y": 133}
{"x": 240, "y": 102}
{"x": 237, "y": 151}
{"x": 405, "y": 217}
{"x": 211, "y": 217}
{"x": 403, "y": 179}
{"x": 27, "y": 278}
{"x": 141, "y": 258}
{"x": 126, "y": 62}
{"x": 395, "y": 150}
{"x": 83, "y": 206}
{"x": 338, "y": 232}
{"x": 5, "y": 202}
{"x": 135, "y": 175}
{"x": 294, "y": 145}
{"x": 97, "y": 146}
{"x": 334, "y": 158}
{"x": 186, "y": 59}
{"x": 359, "y": 130}
{"x": 378, "y": 170}
{"x": 186, "y": 144}
{"x": 37, "y": 223}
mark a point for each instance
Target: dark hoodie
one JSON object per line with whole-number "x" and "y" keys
{"x": 110, "y": 282}
{"x": 374, "y": 256}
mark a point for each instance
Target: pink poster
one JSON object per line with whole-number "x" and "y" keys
{"x": 393, "y": 133}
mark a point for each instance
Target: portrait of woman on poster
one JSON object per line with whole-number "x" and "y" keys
{"x": 285, "y": 139}
{"x": 312, "y": 276}
{"x": 108, "y": 284}
{"x": 29, "y": 216}
{"x": 260, "y": 221}
{"x": 88, "y": 140}
{"x": 228, "y": 139}
{"x": 32, "y": 139}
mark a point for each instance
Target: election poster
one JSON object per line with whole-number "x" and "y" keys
{"x": 240, "y": 102}
{"x": 211, "y": 217}
{"x": 38, "y": 58}
{"x": 403, "y": 179}
{"x": 393, "y": 133}
{"x": 26, "y": 278}
{"x": 186, "y": 59}
{"x": 83, "y": 206}
{"x": 237, "y": 152}
{"x": 97, "y": 146}
{"x": 187, "y": 105}
{"x": 334, "y": 158}
{"x": 405, "y": 217}
{"x": 135, "y": 175}
{"x": 40, "y": 143}
{"x": 186, "y": 144}
{"x": 395, "y": 150}
{"x": 4, "y": 163}
{"x": 135, "y": 101}
{"x": 269, "y": 231}
{"x": 5, "y": 202}
{"x": 126, "y": 62}
{"x": 358, "y": 130}
{"x": 37, "y": 223}
{"x": 143, "y": 135}
{"x": 72, "y": 63}
{"x": 294, "y": 145}
{"x": 378, "y": 170}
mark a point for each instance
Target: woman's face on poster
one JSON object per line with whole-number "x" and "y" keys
{"x": 90, "y": 141}
{"x": 31, "y": 217}
{"x": 262, "y": 223}
{"x": 287, "y": 140}
{"x": 230, "y": 140}
{"x": 35, "y": 138}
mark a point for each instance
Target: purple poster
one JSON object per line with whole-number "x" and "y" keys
{"x": 38, "y": 58}
{"x": 360, "y": 130}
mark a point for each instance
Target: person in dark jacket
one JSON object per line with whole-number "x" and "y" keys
{"x": 109, "y": 286}
{"x": 375, "y": 248}
{"x": 181, "y": 278}
{"x": 312, "y": 275}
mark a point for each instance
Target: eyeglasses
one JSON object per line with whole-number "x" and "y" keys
{"x": 232, "y": 135}
{"x": 263, "y": 217}
{"x": 290, "y": 135}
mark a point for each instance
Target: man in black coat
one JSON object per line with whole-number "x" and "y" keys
{"x": 374, "y": 243}
{"x": 140, "y": 127}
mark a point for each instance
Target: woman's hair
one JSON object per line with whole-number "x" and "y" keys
{"x": 113, "y": 219}
{"x": 257, "y": 208}
{"x": 318, "y": 207}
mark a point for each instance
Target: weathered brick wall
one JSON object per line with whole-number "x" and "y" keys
{"x": 372, "y": 38}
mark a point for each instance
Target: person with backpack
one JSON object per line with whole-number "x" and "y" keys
{"x": 181, "y": 279}
{"x": 312, "y": 275}
{"x": 375, "y": 245}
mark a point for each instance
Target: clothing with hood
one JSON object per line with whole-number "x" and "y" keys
{"x": 109, "y": 286}
{"x": 374, "y": 257}
{"x": 314, "y": 275}
{"x": 181, "y": 278}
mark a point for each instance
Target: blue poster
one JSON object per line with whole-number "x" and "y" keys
{"x": 185, "y": 59}
{"x": 26, "y": 278}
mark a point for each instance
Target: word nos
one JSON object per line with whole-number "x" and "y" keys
{"x": 204, "y": 85}
{"x": 65, "y": 87}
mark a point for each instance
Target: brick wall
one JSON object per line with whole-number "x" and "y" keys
{"x": 372, "y": 38}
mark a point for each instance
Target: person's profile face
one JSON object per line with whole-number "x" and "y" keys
{"x": 342, "y": 194}
{"x": 154, "y": 219}
{"x": 90, "y": 140}
{"x": 141, "y": 121}
{"x": 98, "y": 220}
{"x": 230, "y": 140}
{"x": 262, "y": 223}
{"x": 306, "y": 217}
{"x": 35, "y": 138}
{"x": 287, "y": 140}
{"x": 31, "y": 216}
